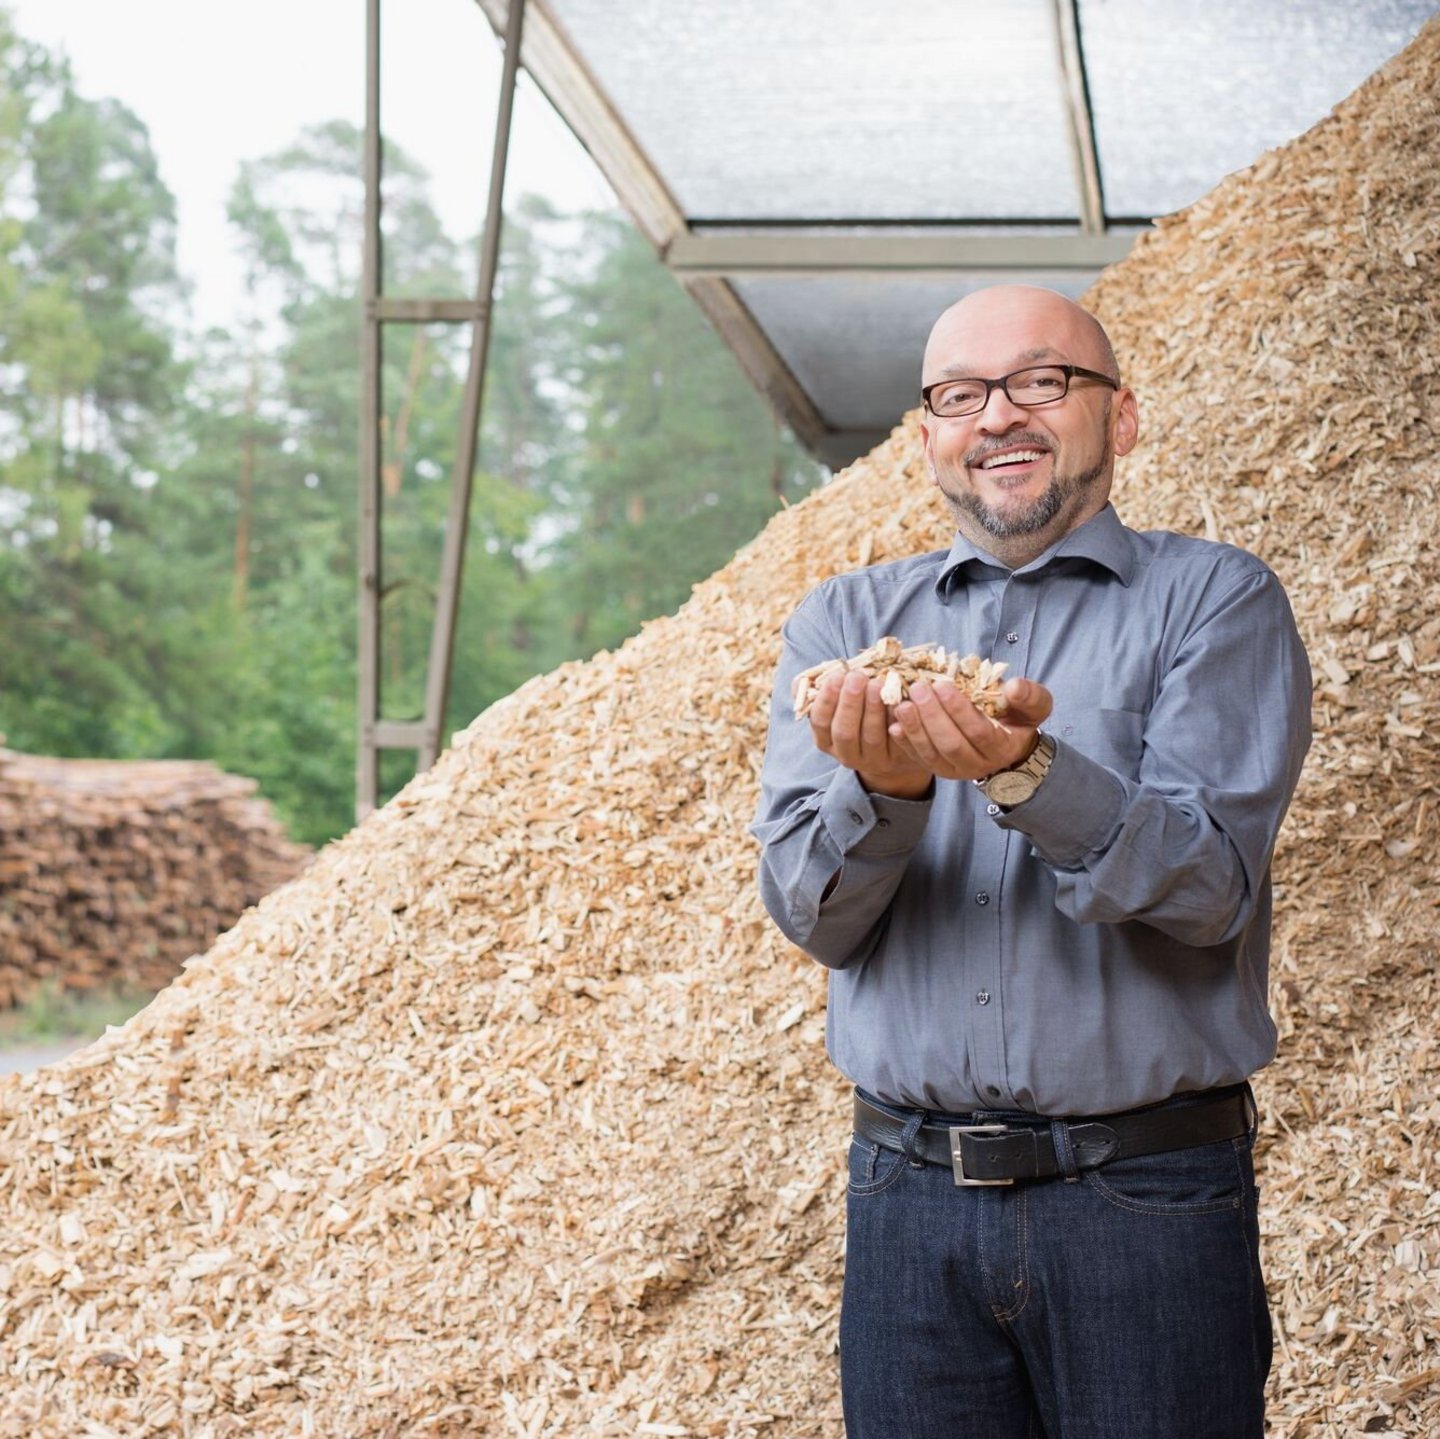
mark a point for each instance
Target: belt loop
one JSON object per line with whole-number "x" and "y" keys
{"x": 1064, "y": 1150}
{"x": 907, "y": 1139}
{"x": 1252, "y": 1112}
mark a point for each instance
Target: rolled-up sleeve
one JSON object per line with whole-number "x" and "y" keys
{"x": 1185, "y": 844}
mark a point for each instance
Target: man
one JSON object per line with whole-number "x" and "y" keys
{"x": 1048, "y": 937}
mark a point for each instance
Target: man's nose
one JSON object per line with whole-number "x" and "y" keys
{"x": 1000, "y": 413}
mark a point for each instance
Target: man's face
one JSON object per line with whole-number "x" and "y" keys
{"x": 1023, "y": 477}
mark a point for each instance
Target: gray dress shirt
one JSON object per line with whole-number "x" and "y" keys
{"x": 1106, "y": 943}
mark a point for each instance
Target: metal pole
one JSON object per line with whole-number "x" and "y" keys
{"x": 1081, "y": 115}
{"x": 367, "y": 778}
{"x": 442, "y": 640}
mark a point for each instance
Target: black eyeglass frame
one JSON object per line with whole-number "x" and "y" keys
{"x": 1071, "y": 372}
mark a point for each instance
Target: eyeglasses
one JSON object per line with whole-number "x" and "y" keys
{"x": 1037, "y": 385}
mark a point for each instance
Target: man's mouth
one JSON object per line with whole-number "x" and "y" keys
{"x": 1005, "y": 459}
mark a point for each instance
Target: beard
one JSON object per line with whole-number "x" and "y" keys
{"x": 1063, "y": 492}
{"x": 1035, "y": 517}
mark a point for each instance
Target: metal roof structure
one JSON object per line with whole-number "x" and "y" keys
{"x": 824, "y": 179}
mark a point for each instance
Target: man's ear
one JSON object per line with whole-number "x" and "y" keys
{"x": 928, "y": 438}
{"x": 1125, "y": 422}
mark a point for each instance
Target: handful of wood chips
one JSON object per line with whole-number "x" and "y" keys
{"x": 900, "y": 666}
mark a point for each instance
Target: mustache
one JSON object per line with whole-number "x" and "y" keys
{"x": 1026, "y": 438}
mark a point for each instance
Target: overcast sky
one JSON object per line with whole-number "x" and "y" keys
{"x": 217, "y": 84}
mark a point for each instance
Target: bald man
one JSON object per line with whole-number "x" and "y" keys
{"x": 1047, "y": 938}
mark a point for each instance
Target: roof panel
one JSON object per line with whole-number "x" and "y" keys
{"x": 1184, "y": 93}
{"x": 918, "y": 151}
{"x": 784, "y": 110}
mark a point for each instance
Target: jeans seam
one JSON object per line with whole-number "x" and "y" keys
{"x": 1008, "y": 1316}
{"x": 1179, "y": 1211}
{"x": 1239, "y": 1148}
{"x": 863, "y": 1190}
{"x": 1094, "y": 1179}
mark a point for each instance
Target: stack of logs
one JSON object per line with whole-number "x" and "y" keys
{"x": 114, "y": 872}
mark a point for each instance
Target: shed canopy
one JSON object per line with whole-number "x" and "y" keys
{"x": 824, "y": 179}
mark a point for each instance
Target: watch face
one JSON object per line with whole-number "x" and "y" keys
{"x": 1011, "y": 787}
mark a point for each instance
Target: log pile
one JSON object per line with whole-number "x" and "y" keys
{"x": 114, "y": 872}
{"x": 511, "y": 1115}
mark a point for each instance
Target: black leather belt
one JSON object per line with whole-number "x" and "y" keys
{"x": 1001, "y": 1153}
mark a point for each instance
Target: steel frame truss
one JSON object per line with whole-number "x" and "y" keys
{"x": 704, "y": 260}
{"x": 422, "y": 735}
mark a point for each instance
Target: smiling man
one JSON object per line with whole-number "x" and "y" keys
{"x": 1048, "y": 938}
{"x": 1027, "y": 469}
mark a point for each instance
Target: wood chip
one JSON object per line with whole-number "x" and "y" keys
{"x": 900, "y": 666}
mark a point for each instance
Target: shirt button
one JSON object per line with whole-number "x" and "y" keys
{"x": 855, "y": 817}
{"x": 983, "y": 997}
{"x": 992, "y": 810}
{"x": 882, "y": 823}
{"x": 1012, "y": 638}
{"x": 993, "y": 1091}
{"x": 982, "y": 898}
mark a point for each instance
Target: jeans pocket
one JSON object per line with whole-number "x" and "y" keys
{"x": 1205, "y": 1179}
{"x": 873, "y": 1167}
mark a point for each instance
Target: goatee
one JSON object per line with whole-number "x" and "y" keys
{"x": 1031, "y": 521}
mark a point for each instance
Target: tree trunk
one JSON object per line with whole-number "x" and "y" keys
{"x": 245, "y": 497}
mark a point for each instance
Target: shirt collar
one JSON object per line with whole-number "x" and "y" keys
{"x": 1102, "y": 539}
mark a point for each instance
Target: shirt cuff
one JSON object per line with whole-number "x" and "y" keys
{"x": 1075, "y": 812}
{"x": 871, "y": 824}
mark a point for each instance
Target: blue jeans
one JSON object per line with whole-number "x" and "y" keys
{"x": 1127, "y": 1304}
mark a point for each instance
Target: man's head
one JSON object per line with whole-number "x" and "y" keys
{"x": 1018, "y": 478}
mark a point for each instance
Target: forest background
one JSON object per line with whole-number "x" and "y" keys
{"x": 178, "y": 509}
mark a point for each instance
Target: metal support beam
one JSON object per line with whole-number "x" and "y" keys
{"x": 421, "y": 735}
{"x": 457, "y": 523}
{"x": 758, "y": 358}
{"x": 1076, "y": 90}
{"x": 427, "y": 311}
{"x": 399, "y": 734}
{"x": 796, "y": 253}
{"x": 555, "y": 66}
{"x": 367, "y": 657}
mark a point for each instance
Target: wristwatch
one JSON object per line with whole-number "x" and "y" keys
{"x": 1009, "y": 787}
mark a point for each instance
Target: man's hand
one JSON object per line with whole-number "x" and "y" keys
{"x": 849, "y": 721}
{"x": 945, "y": 734}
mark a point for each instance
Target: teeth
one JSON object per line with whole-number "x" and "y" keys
{"x": 1015, "y": 457}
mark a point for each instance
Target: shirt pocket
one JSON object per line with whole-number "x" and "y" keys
{"x": 1114, "y": 738}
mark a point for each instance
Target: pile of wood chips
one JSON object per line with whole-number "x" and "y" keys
{"x": 115, "y": 872}
{"x": 511, "y": 1115}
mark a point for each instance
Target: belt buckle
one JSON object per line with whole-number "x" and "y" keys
{"x": 956, "y": 1158}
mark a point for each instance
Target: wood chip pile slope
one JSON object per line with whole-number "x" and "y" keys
{"x": 511, "y": 1115}
{"x": 116, "y": 871}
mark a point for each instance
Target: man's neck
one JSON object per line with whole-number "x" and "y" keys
{"x": 1012, "y": 551}
{"x": 1016, "y": 551}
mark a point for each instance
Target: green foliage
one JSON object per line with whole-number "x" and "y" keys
{"x": 679, "y": 463}
{"x": 55, "y": 1013}
{"x": 86, "y": 265}
{"x": 178, "y": 549}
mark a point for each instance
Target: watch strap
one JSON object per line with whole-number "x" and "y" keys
{"x": 1032, "y": 769}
